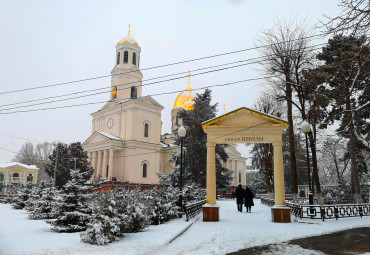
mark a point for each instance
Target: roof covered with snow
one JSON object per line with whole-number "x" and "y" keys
{"x": 110, "y": 136}
{"x": 13, "y": 164}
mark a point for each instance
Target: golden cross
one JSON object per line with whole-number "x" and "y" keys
{"x": 224, "y": 108}
{"x": 129, "y": 29}
{"x": 188, "y": 88}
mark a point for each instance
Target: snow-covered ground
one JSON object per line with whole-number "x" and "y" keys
{"x": 233, "y": 232}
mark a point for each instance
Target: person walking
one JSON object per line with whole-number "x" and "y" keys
{"x": 248, "y": 199}
{"x": 239, "y": 193}
{"x": 233, "y": 194}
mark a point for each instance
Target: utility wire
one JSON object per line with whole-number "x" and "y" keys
{"x": 155, "y": 67}
{"x": 158, "y": 94}
{"x": 141, "y": 85}
{"x": 19, "y": 137}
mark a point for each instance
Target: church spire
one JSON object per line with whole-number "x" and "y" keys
{"x": 129, "y": 30}
{"x": 189, "y": 88}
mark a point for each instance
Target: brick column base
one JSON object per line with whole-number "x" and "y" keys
{"x": 210, "y": 212}
{"x": 280, "y": 214}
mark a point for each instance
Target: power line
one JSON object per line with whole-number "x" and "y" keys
{"x": 19, "y": 137}
{"x": 8, "y": 150}
{"x": 158, "y": 94}
{"x": 142, "y": 85}
{"x": 155, "y": 67}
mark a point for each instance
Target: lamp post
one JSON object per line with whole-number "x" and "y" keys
{"x": 306, "y": 129}
{"x": 182, "y": 134}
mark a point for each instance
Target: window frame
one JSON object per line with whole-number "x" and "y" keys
{"x": 125, "y": 57}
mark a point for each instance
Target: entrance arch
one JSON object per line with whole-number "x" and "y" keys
{"x": 245, "y": 125}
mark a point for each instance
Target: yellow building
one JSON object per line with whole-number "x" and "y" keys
{"x": 14, "y": 173}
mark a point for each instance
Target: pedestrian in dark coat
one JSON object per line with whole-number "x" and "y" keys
{"x": 239, "y": 193}
{"x": 233, "y": 194}
{"x": 248, "y": 199}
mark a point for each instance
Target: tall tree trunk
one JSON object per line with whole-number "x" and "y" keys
{"x": 352, "y": 141}
{"x": 293, "y": 162}
{"x": 315, "y": 171}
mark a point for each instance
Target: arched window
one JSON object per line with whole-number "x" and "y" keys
{"x": 146, "y": 130}
{"x": 145, "y": 170}
{"x": 114, "y": 92}
{"x": 1, "y": 177}
{"x": 133, "y": 92}
{"x": 240, "y": 177}
{"x": 134, "y": 58}
{"x": 125, "y": 57}
{"x": 15, "y": 177}
{"x": 118, "y": 57}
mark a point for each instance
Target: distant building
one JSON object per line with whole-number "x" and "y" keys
{"x": 15, "y": 173}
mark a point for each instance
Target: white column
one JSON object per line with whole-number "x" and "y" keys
{"x": 211, "y": 173}
{"x": 93, "y": 163}
{"x": 99, "y": 172}
{"x": 110, "y": 169}
{"x": 279, "y": 174}
{"x": 104, "y": 167}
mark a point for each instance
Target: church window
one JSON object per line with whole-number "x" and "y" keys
{"x": 134, "y": 58}
{"x": 146, "y": 130}
{"x": 125, "y": 57}
{"x": 133, "y": 92}
{"x": 240, "y": 177}
{"x": 1, "y": 177}
{"x": 145, "y": 170}
{"x": 118, "y": 57}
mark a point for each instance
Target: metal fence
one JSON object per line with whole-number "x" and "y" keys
{"x": 325, "y": 211}
{"x": 193, "y": 209}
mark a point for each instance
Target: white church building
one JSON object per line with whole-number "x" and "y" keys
{"x": 126, "y": 141}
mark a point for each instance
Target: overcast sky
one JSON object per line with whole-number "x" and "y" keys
{"x": 48, "y": 42}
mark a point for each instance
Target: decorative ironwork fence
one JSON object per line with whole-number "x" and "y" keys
{"x": 193, "y": 209}
{"x": 326, "y": 211}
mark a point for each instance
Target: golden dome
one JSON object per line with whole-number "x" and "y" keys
{"x": 128, "y": 38}
{"x": 185, "y": 99}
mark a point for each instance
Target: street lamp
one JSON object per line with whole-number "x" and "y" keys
{"x": 182, "y": 134}
{"x": 306, "y": 129}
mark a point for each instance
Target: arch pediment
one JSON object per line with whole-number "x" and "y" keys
{"x": 244, "y": 125}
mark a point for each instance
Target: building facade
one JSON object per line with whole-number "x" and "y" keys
{"x": 126, "y": 141}
{"x": 15, "y": 173}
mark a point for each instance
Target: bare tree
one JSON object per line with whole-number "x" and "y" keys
{"x": 26, "y": 154}
{"x": 286, "y": 55}
{"x": 262, "y": 154}
{"x": 354, "y": 18}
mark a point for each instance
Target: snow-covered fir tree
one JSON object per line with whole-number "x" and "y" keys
{"x": 162, "y": 204}
{"x": 35, "y": 195}
{"x": 71, "y": 209}
{"x": 116, "y": 213}
{"x": 23, "y": 194}
{"x": 193, "y": 193}
{"x": 44, "y": 207}
{"x": 106, "y": 223}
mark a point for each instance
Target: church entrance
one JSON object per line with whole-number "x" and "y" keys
{"x": 244, "y": 125}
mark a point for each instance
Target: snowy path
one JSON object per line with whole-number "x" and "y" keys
{"x": 235, "y": 231}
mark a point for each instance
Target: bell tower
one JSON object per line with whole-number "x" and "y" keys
{"x": 126, "y": 75}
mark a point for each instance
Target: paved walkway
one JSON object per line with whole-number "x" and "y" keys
{"x": 351, "y": 241}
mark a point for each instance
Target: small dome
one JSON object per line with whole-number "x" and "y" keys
{"x": 185, "y": 100}
{"x": 128, "y": 39}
